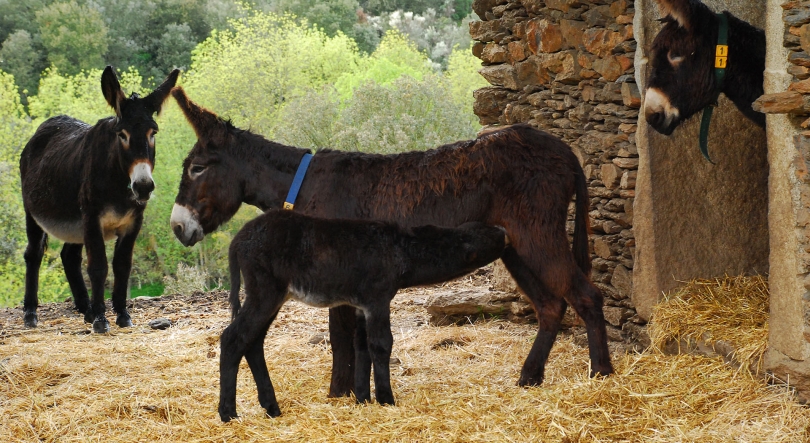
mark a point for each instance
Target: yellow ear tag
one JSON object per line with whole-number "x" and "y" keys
{"x": 721, "y": 56}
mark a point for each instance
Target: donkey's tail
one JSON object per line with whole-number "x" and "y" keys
{"x": 236, "y": 280}
{"x": 582, "y": 254}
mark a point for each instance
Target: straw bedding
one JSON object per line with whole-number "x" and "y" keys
{"x": 59, "y": 383}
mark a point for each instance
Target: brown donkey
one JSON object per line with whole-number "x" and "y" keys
{"x": 88, "y": 184}
{"x": 682, "y": 80}
{"x": 519, "y": 178}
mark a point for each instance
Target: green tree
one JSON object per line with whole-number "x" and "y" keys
{"x": 78, "y": 96}
{"x": 19, "y": 15}
{"x": 248, "y": 72}
{"x": 174, "y": 47}
{"x": 330, "y": 15}
{"x": 74, "y": 35}
{"x": 20, "y": 57}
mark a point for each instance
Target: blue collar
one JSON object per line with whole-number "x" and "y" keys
{"x": 289, "y": 202}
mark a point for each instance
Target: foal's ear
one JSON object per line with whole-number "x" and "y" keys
{"x": 206, "y": 124}
{"x": 161, "y": 93}
{"x": 679, "y": 10}
{"x": 112, "y": 89}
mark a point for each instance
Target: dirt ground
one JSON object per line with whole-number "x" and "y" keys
{"x": 60, "y": 382}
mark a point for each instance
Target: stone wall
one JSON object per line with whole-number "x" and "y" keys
{"x": 787, "y": 88}
{"x": 566, "y": 66}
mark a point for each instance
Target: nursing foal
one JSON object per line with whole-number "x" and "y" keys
{"x": 327, "y": 263}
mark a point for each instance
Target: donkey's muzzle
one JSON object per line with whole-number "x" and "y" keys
{"x": 661, "y": 123}
{"x": 142, "y": 190}
{"x": 185, "y": 226}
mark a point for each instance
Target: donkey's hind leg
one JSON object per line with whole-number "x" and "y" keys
{"x": 72, "y": 262}
{"x": 362, "y": 360}
{"x": 587, "y": 300}
{"x": 37, "y": 239}
{"x": 549, "y": 310}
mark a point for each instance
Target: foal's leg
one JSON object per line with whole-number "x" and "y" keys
{"x": 341, "y": 333}
{"x": 37, "y": 239}
{"x": 258, "y": 366}
{"x": 550, "y": 311}
{"x": 72, "y": 262}
{"x": 362, "y": 360}
{"x": 96, "y": 270}
{"x": 122, "y": 266}
{"x": 246, "y": 336}
{"x": 380, "y": 342}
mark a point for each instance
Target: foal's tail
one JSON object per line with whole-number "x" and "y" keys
{"x": 236, "y": 281}
{"x": 582, "y": 254}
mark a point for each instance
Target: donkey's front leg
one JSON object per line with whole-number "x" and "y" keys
{"x": 122, "y": 266}
{"x": 380, "y": 342}
{"x": 97, "y": 271}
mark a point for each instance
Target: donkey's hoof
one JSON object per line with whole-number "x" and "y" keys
{"x": 604, "y": 372}
{"x": 386, "y": 400}
{"x": 81, "y": 306}
{"x": 124, "y": 320}
{"x": 88, "y": 316}
{"x": 30, "y": 319}
{"x": 228, "y": 415}
{"x": 273, "y": 411}
{"x": 101, "y": 325}
{"x": 526, "y": 381}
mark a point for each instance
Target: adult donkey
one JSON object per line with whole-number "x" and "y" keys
{"x": 682, "y": 78}
{"x": 519, "y": 178}
{"x": 88, "y": 184}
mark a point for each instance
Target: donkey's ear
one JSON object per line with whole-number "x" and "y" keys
{"x": 206, "y": 124}
{"x": 161, "y": 93}
{"x": 112, "y": 89}
{"x": 679, "y": 10}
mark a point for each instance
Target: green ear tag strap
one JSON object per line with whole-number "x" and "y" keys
{"x": 720, "y": 62}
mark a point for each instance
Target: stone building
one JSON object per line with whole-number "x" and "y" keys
{"x": 661, "y": 214}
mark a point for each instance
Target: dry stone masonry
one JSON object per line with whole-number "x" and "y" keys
{"x": 566, "y": 66}
{"x": 787, "y": 101}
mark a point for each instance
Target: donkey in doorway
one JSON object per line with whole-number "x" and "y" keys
{"x": 326, "y": 263}
{"x": 682, "y": 80}
{"x": 519, "y": 178}
{"x": 88, "y": 184}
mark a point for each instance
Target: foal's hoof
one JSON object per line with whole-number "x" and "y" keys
{"x": 124, "y": 320}
{"x": 228, "y": 415}
{"x": 30, "y": 319}
{"x": 88, "y": 316}
{"x": 273, "y": 411}
{"x": 101, "y": 325}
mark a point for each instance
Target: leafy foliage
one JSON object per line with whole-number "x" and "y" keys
{"x": 20, "y": 57}
{"x": 75, "y": 36}
{"x": 282, "y": 77}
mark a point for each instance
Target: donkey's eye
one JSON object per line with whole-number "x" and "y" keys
{"x": 675, "y": 60}
{"x": 124, "y": 136}
{"x": 195, "y": 170}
